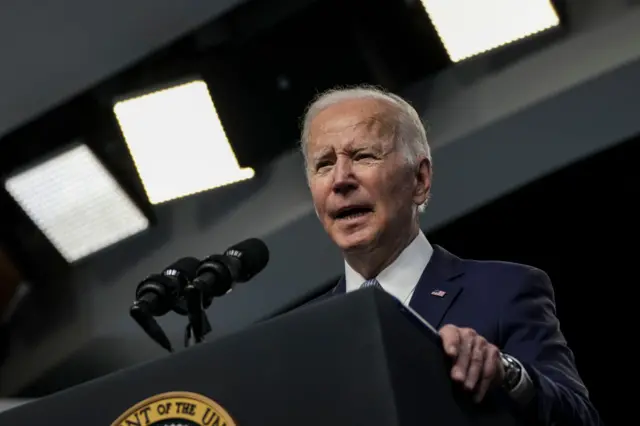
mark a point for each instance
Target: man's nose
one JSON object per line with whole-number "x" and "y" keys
{"x": 344, "y": 181}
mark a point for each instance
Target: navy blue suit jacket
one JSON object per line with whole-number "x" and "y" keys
{"x": 513, "y": 307}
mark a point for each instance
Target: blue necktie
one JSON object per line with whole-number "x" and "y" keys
{"x": 371, "y": 283}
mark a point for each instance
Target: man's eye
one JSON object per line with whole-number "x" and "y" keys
{"x": 363, "y": 156}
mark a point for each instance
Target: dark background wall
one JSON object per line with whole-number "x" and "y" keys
{"x": 580, "y": 225}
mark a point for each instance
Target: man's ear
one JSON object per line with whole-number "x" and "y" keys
{"x": 423, "y": 175}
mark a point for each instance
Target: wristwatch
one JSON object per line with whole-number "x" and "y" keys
{"x": 512, "y": 371}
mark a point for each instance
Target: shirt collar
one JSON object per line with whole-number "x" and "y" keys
{"x": 402, "y": 275}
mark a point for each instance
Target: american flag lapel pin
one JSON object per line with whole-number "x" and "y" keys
{"x": 438, "y": 293}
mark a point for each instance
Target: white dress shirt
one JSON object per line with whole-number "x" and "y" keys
{"x": 400, "y": 279}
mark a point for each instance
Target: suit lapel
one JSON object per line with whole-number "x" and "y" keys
{"x": 341, "y": 287}
{"x": 437, "y": 288}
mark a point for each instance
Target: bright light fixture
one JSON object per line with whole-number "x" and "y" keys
{"x": 470, "y": 27}
{"x": 177, "y": 142}
{"x": 76, "y": 203}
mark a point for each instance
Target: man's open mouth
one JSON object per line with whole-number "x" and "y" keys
{"x": 352, "y": 212}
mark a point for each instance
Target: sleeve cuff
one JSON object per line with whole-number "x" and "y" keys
{"x": 524, "y": 390}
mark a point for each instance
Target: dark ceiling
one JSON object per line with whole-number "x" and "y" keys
{"x": 263, "y": 62}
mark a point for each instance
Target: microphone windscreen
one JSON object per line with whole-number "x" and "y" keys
{"x": 253, "y": 255}
{"x": 187, "y": 267}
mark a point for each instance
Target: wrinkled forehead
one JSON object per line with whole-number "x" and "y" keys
{"x": 352, "y": 122}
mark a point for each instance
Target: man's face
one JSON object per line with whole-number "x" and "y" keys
{"x": 364, "y": 191}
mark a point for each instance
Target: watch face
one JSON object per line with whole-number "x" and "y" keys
{"x": 505, "y": 361}
{"x": 511, "y": 371}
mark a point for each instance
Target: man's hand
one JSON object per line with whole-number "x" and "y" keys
{"x": 477, "y": 362}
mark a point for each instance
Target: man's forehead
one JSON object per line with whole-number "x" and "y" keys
{"x": 350, "y": 113}
{"x": 348, "y": 118}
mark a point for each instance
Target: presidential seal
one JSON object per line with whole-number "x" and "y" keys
{"x": 175, "y": 409}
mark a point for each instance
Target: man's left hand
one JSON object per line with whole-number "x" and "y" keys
{"x": 477, "y": 363}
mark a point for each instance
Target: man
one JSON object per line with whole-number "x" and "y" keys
{"x": 369, "y": 169}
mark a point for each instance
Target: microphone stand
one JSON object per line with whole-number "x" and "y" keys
{"x": 188, "y": 333}
{"x": 199, "y": 324}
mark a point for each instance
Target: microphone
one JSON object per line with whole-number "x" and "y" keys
{"x": 159, "y": 293}
{"x": 239, "y": 263}
{"x": 216, "y": 275}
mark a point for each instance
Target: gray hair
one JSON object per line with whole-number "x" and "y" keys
{"x": 411, "y": 132}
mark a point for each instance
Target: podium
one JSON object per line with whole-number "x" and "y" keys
{"x": 355, "y": 359}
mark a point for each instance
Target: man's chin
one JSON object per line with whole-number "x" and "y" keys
{"x": 355, "y": 242}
